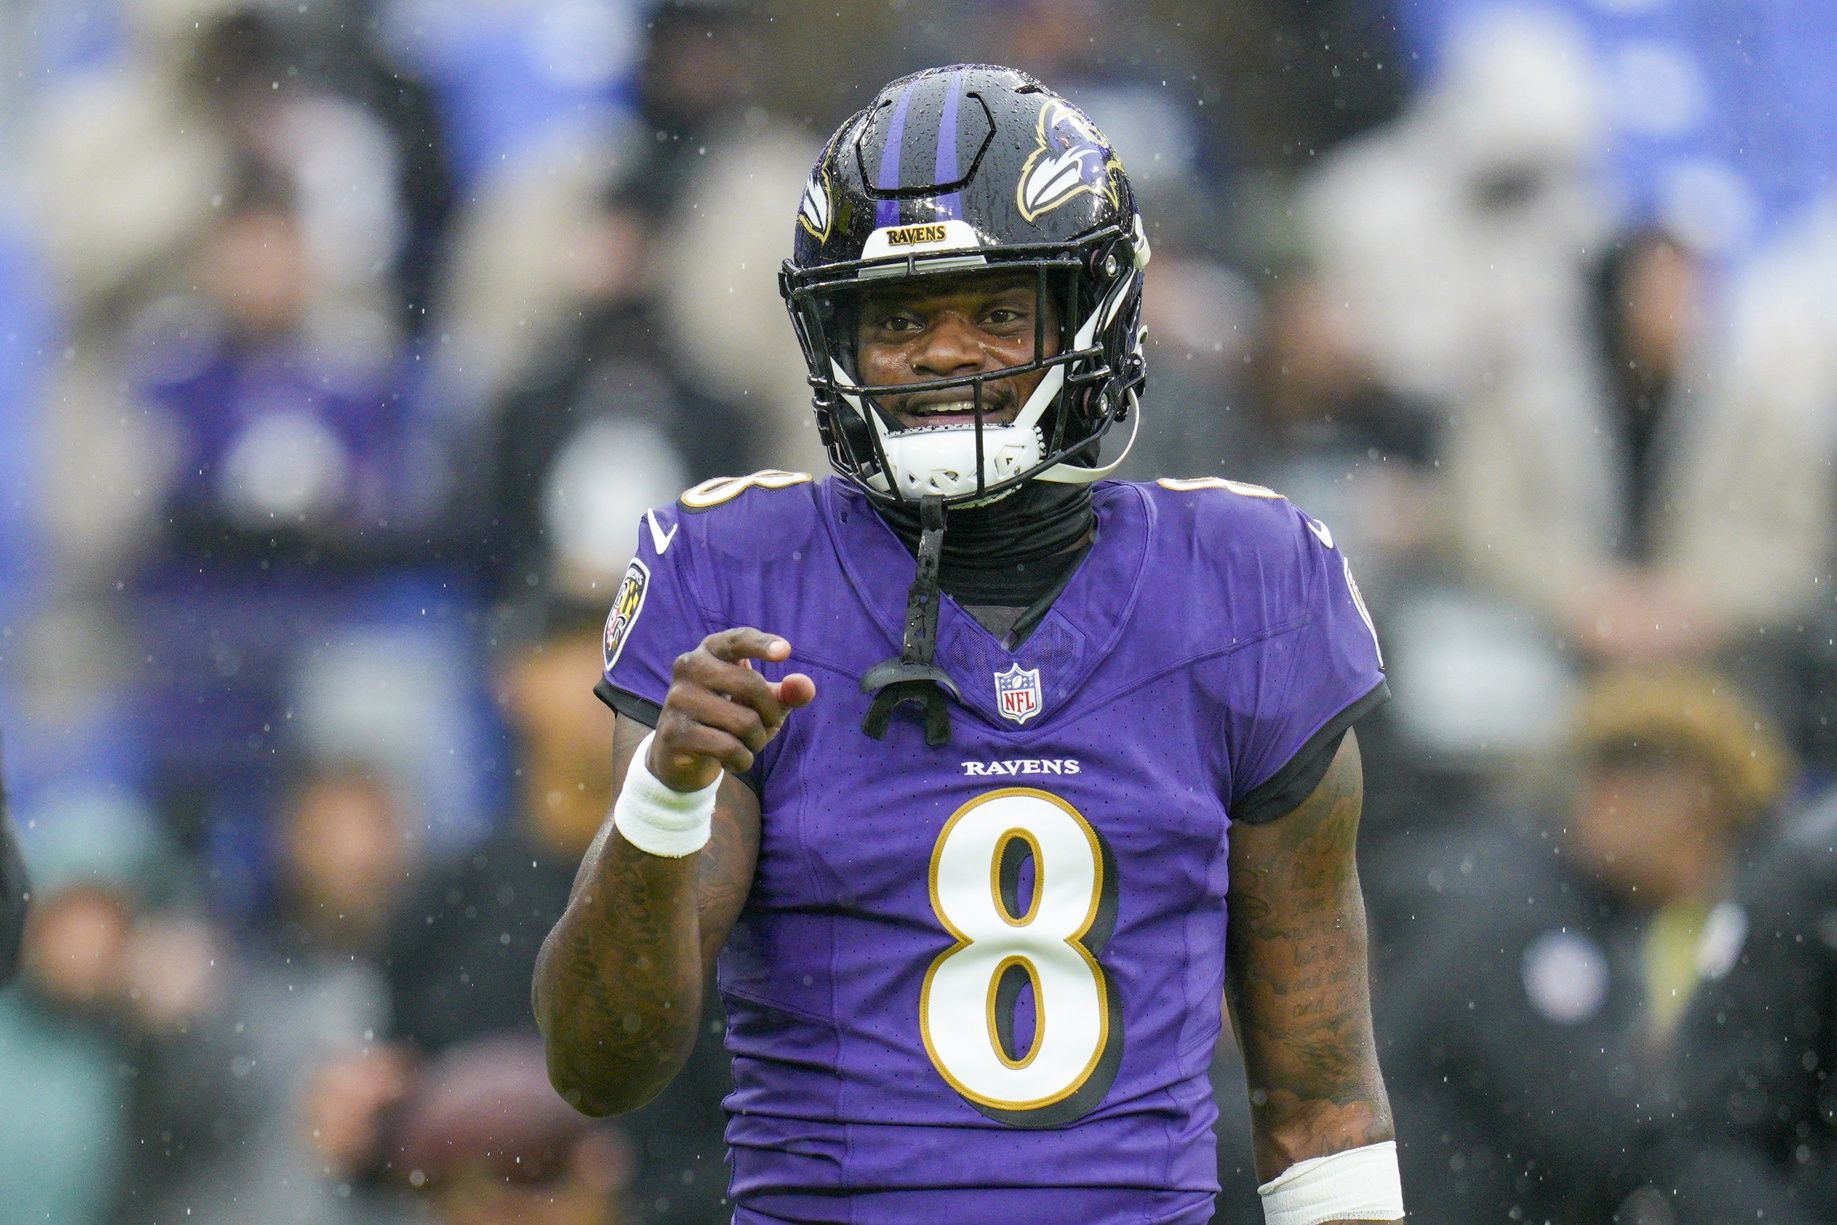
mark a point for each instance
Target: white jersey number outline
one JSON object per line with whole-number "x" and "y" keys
{"x": 966, "y": 1006}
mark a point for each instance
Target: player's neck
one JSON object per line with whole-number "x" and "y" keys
{"x": 1037, "y": 521}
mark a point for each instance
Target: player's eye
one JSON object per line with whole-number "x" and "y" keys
{"x": 1002, "y": 316}
{"x": 895, "y": 322}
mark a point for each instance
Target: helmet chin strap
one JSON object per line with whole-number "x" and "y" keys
{"x": 911, "y": 676}
{"x": 1077, "y": 474}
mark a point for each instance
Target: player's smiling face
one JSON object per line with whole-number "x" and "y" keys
{"x": 949, "y": 328}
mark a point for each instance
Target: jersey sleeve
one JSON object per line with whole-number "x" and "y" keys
{"x": 1294, "y": 695}
{"x": 657, "y": 614}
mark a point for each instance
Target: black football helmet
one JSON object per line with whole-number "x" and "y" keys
{"x": 949, "y": 170}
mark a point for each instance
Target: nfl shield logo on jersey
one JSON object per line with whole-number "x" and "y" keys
{"x": 1017, "y": 693}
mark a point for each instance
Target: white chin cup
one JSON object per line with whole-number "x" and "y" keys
{"x": 941, "y": 463}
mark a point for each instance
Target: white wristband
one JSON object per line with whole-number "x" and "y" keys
{"x": 659, "y": 819}
{"x": 1360, "y": 1184}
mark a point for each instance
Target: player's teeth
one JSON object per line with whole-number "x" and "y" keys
{"x": 955, "y": 406}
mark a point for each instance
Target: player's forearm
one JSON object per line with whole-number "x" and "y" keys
{"x": 1310, "y": 1052}
{"x": 618, "y": 984}
{"x": 1316, "y": 1088}
{"x": 1298, "y": 982}
{"x": 1336, "y": 1105}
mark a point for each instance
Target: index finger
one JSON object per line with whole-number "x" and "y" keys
{"x": 744, "y": 642}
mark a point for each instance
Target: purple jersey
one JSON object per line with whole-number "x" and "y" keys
{"x": 983, "y": 980}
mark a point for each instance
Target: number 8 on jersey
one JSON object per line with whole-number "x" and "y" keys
{"x": 967, "y": 1004}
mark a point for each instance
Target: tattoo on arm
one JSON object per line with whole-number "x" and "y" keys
{"x": 619, "y": 981}
{"x": 724, "y": 869}
{"x": 1297, "y": 983}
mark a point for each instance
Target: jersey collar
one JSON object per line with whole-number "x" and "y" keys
{"x": 1082, "y": 628}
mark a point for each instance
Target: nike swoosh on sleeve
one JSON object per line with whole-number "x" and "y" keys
{"x": 1319, "y": 529}
{"x": 660, "y": 539}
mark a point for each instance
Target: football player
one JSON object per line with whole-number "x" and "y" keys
{"x": 982, "y": 776}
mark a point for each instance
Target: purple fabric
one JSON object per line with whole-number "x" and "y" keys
{"x": 1033, "y": 1206}
{"x": 1200, "y": 644}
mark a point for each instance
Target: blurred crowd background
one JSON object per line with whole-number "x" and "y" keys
{"x": 342, "y": 342}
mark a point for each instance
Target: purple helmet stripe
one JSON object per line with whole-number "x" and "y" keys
{"x": 952, "y": 204}
{"x": 887, "y": 212}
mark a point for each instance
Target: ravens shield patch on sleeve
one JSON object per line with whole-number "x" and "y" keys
{"x": 625, "y": 609}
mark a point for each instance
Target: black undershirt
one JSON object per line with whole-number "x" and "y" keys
{"x": 1005, "y": 563}
{"x": 1010, "y": 603}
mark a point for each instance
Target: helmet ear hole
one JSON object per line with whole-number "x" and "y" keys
{"x": 1090, "y": 404}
